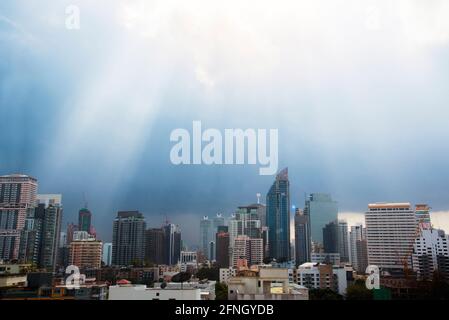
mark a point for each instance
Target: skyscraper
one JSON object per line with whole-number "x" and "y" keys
{"x": 50, "y": 207}
{"x": 172, "y": 243}
{"x": 302, "y": 237}
{"x": 278, "y": 217}
{"x": 390, "y": 232}
{"x": 107, "y": 254}
{"x": 155, "y": 246}
{"x": 330, "y": 237}
{"x": 128, "y": 238}
{"x": 84, "y": 220}
{"x": 17, "y": 199}
{"x": 207, "y": 235}
{"x": 357, "y": 240}
{"x": 247, "y": 249}
{"x": 222, "y": 247}
{"x": 321, "y": 209}
{"x": 343, "y": 244}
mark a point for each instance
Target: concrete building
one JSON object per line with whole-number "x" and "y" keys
{"x": 265, "y": 284}
{"x": 17, "y": 198}
{"x": 328, "y": 258}
{"x": 322, "y": 276}
{"x": 128, "y": 238}
{"x": 303, "y": 244}
{"x": 86, "y": 253}
{"x": 429, "y": 248}
{"x": 248, "y": 249}
{"x": 390, "y": 233}
{"x": 222, "y": 248}
{"x": 357, "y": 234}
{"x": 155, "y": 246}
{"x": 127, "y": 291}
{"x": 226, "y": 274}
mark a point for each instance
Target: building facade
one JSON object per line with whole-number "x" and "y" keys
{"x": 278, "y": 217}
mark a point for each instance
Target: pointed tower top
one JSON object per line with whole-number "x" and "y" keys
{"x": 283, "y": 174}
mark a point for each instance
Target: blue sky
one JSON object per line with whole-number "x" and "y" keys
{"x": 359, "y": 91}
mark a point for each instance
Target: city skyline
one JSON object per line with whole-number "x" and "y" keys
{"x": 357, "y": 92}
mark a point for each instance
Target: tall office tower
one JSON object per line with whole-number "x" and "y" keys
{"x": 343, "y": 244}
{"x": 71, "y": 229}
{"x": 422, "y": 213}
{"x": 330, "y": 237}
{"x": 321, "y": 209}
{"x": 278, "y": 217}
{"x": 172, "y": 243}
{"x": 390, "y": 233}
{"x": 155, "y": 246}
{"x": 84, "y": 220}
{"x": 86, "y": 253}
{"x": 302, "y": 237}
{"x": 31, "y": 235}
{"x": 50, "y": 207}
{"x": 207, "y": 235}
{"x": 107, "y": 254}
{"x": 358, "y": 250}
{"x": 222, "y": 247}
{"x": 245, "y": 221}
{"x": 218, "y": 221}
{"x": 429, "y": 248}
{"x": 17, "y": 199}
{"x": 247, "y": 249}
{"x": 128, "y": 238}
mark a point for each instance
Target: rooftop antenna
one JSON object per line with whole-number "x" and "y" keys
{"x": 258, "y": 198}
{"x": 86, "y": 204}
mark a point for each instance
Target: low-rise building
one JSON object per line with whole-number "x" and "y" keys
{"x": 128, "y": 291}
{"x": 265, "y": 284}
{"x": 323, "y": 276}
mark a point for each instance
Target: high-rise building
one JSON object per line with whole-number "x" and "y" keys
{"x": 207, "y": 235}
{"x": 107, "y": 254}
{"x": 86, "y": 253}
{"x": 250, "y": 250}
{"x": 31, "y": 238}
{"x": 172, "y": 243}
{"x": 321, "y": 209}
{"x": 218, "y": 221}
{"x": 390, "y": 233}
{"x": 330, "y": 237}
{"x": 343, "y": 244}
{"x": 422, "y": 213}
{"x": 155, "y": 246}
{"x": 358, "y": 250}
{"x": 222, "y": 248}
{"x": 430, "y": 248}
{"x": 17, "y": 199}
{"x": 71, "y": 228}
{"x": 84, "y": 220}
{"x": 50, "y": 207}
{"x": 278, "y": 217}
{"x": 128, "y": 238}
{"x": 303, "y": 243}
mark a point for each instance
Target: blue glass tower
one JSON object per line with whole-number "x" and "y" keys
{"x": 278, "y": 217}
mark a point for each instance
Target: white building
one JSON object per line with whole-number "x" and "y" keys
{"x": 321, "y": 276}
{"x": 265, "y": 284}
{"x": 226, "y": 273}
{"x": 357, "y": 244}
{"x": 428, "y": 247}
{"x": 141, "y": 292}
{"x": 390, "y": 233}
{"x": 321, "y": 257}
{"x": 188, "y": 261}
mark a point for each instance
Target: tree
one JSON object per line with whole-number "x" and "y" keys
{"x": 208, "y": 273}
{"x": 358, "y": 291}
{"x": 221, "y": 291}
